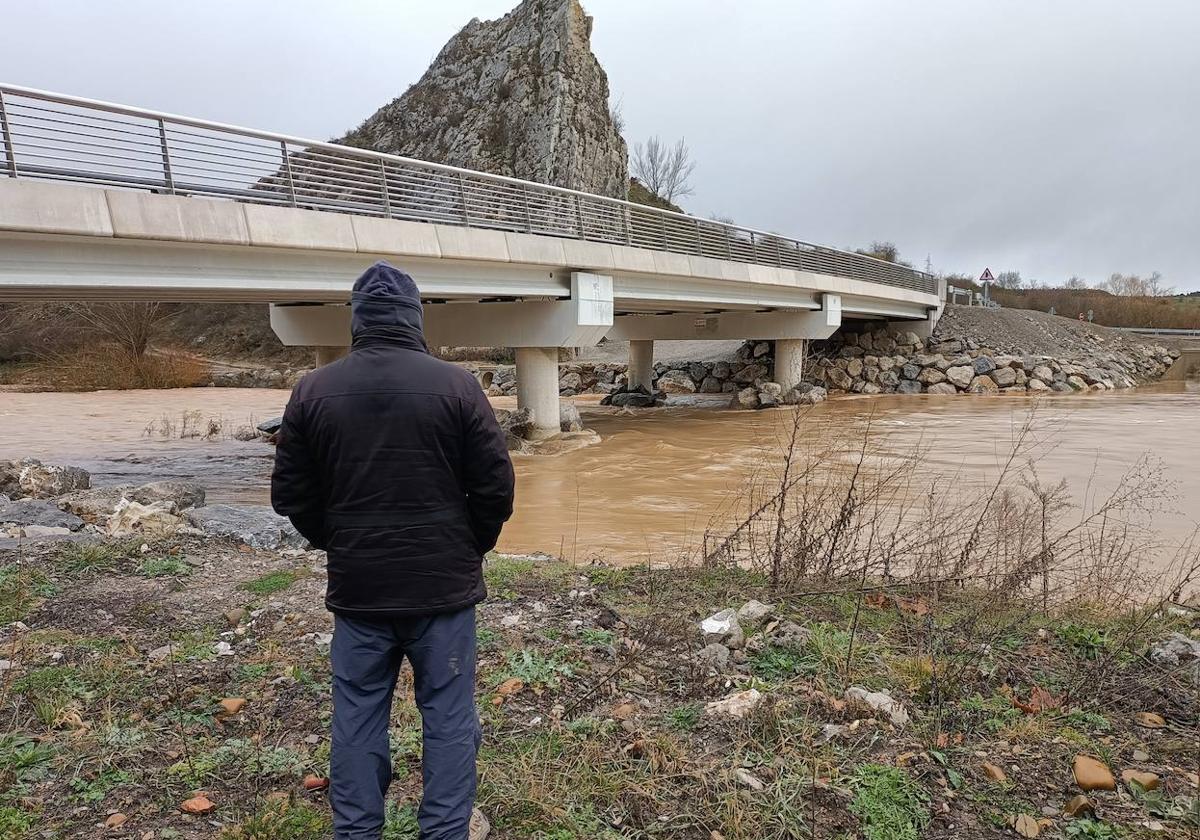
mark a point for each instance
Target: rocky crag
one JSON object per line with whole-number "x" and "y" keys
{"x": 521, "y": 96}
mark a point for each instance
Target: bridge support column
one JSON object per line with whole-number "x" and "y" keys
{"x": 537, "y": 387}
{"x": 325, "y": 355}
{"x": 640, "y": 373}
{"x": 789, "y": 361}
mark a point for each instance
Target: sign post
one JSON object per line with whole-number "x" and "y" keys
{"x": 987, "y": 279}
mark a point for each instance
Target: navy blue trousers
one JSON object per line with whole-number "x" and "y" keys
{"x": 366, "y": 661}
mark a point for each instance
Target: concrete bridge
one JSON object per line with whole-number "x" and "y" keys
{"x": 108, "y": 202}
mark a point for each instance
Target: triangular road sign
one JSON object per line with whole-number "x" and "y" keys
{"x": 986, "y": 277}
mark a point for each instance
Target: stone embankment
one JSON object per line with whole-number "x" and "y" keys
{"x": 973, "y": 351}
{"x": 41, "y": 501}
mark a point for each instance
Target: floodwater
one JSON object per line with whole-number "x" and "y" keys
{"x": 659, "y": 478}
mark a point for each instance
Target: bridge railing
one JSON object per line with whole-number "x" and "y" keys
{"x": 50, "y": 136}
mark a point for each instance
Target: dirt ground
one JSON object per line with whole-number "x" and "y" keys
{"x": 1025, "y": 331}
{"x": 123, "y": 661}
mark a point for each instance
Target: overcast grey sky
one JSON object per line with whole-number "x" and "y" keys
{"x": 1053, "y": 137}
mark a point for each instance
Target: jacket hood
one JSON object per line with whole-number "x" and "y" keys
{"x": 385, "y": 306}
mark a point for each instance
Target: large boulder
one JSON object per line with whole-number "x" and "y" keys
{"x": 984, "y": 364}
{"x": 676, "y": 382}
{"x": 941, "y": 388}
{"x": 96, "y": 504}
{"x": 39, "y": 512}
{"x": 746, "y": 398}
{"x": 157, "y": 519}
{"x": 568, "y": 418}
{"x": 515, "y": 424}
{"x": 182, "y": 494}
{"x": 960, "y": 376}
{"x": 931, "y": 376}
{"x": 33, "y": 479}
{"x": 1005, "y": 377}
{"x": 750, "y": 373}
{"x": 255, "y": 526}
{"x": 983, "y": 385}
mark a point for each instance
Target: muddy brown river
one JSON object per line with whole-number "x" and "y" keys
{"x": 659, "y": 478}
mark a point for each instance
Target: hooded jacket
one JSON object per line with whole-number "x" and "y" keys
{"x": 393, "y": 462}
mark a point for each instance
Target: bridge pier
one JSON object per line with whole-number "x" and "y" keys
{"x": 537, "y": 387}
{"x": 789, "y": 361}
{"x": 325, "y": 355}
{"x": 641, "y": 363}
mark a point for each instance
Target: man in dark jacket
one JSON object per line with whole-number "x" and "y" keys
{"x": 392, "y": 461}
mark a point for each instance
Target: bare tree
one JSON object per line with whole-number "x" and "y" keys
{"x": 1009, "y": 280}
{"x": 132, "y": 326}
{"x": 663, "y": 169}
{"x": 1077, "y": 283}
{"x": 881, "y": 250}
{"x": 1134, "y": 285}
{"x": 616, "y": 112}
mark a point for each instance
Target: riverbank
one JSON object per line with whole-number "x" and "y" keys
{"x": 178, "y": 687}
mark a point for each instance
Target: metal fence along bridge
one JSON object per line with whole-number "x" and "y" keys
{"x": 64, "y": 138}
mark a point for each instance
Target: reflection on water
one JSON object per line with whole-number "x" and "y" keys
{"x": 654, "y": 484}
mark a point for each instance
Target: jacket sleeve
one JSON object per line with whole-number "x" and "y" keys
{"x": 487, "y": 471}
{"x": 296, "y": 481}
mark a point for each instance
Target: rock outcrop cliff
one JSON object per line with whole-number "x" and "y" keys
{"x": 522, "y": 96}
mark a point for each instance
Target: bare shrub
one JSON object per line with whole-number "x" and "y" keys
{"x": 837, "y": 513}
{"x": 129, "y": 325}
{"x": 107, "y": 367}
{"x": 663, "y": 169}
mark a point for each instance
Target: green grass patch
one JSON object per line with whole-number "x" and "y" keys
{"x": 168, "y": 566}
{"x": 1089, "y": 829}
{"x": 272, "y": 582}
{"x": 536, "y": 669}
{"x": 23, "y": 761}
{"x": 890, "y": 805}
{"x": 83, "y": 557}
{"x": 400, "y": 822}
{"x": 685, "y": 717}
{"x": 596, "y": 638}
{"x": 237, "y": 756}
{"x": 283, "y": 821}
{"x": 20, "y": 588}
{"x": 16, "y": 824}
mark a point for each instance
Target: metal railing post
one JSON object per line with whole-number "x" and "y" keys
{"x": 287, "y": 169}
{"x": 753, "y": 246}
{"x": 10, "y": 153}
{"x": 579, "y": 216}
{"x": 699, "y": 238}
{"x": 528, "y": 212}
{"x": 628, "y": 217}
{"x": 387, "y": 201}
{"x": 166, "y": 156}
{"x": 462, "y": 192}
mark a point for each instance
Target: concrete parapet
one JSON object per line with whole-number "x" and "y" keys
{"x": 394, "y": 236}
{"x": 169, "y": 217}
{"x": 40, "y": 207}
{"x": 291, "y": 227}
